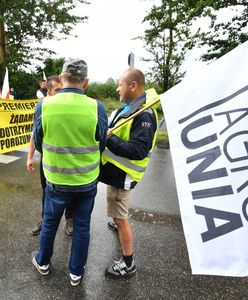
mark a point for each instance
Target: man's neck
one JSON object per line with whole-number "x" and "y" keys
{"x": 137, "y": 96}
{"x": 68, "y": 85}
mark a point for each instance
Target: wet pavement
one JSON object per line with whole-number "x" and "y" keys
{"x": 163, "y": 270}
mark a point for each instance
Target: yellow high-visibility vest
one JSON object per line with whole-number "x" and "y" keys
{"x": 71, "y": 153}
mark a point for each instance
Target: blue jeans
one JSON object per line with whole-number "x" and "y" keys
{"x": 82, "y": 203}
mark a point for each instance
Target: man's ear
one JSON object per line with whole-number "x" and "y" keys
{"x": 134, "y": 85}
{"x": 85, "y": 84}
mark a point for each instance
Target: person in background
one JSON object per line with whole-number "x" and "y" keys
{"x": 53, "y": 87}
{"x": 70, "y": 130}
{"x": 42, "y": 91}
{"x": 13, "y": 93}
{"x": 124, "y": 162}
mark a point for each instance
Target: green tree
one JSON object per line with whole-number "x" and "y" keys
{"x": 167, "y": 40}
{"x": 25, "y": 24}
{"x": 223, "y": 36}
{"x": 25, "y": 84}
{"x": 52, "y": 66}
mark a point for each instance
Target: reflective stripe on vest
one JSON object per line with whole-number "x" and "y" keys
{"x": 125, "y": 162}
{"x": 71, "y": 170}
{"x": 70, "y": 150}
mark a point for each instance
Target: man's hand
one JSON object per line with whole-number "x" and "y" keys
{"x": 109, "y": 132}
{"x": 30, "y": 165}
{"x": 30, "y": 161}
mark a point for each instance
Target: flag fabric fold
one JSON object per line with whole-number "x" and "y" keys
{"x": 5, "y": 89}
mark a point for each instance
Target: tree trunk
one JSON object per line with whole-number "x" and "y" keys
{"x": 167, "y": 78}
{"x": 3, "y": 56}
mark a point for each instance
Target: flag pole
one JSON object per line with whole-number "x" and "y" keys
{"x": 110, "y": 131}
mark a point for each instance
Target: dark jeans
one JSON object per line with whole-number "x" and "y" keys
{"x": 56, "y": 201}
{"x": 68, "y": 210}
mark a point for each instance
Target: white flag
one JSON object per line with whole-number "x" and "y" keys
{"x": 5, "y": 89}
{"x": 207, "y": 120}
{"x": 44, "y": 76}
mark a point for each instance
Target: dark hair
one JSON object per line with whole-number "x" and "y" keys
{"x": 42, "y": 80}
{"x": 51, "y": 80}
{"x": 137, "y": 76}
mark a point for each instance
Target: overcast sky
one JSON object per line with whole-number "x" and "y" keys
{"x": 105, "y": 41}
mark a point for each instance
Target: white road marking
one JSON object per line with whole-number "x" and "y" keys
{"x": 6, "y": 159}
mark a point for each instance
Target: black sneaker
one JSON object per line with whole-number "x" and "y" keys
{"x": 75, "y": 280}
{"x": 43, "y": 270}
{"x": 120, "y": 270}
{"x": 69, "y": 226}
{"x": 112, "y": 226}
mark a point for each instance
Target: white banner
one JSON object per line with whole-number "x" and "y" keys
{"x": 207, "y": 120}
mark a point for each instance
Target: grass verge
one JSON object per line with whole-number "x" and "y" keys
{"x": 162, "y": 141}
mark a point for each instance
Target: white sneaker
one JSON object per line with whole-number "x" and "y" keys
{"x": 75, "y": 280}
{"x": 43, "y": 270}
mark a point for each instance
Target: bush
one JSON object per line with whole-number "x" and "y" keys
{"x": 111, "y": 104}
{"x": 102, "y": 91}
{"x": 160, "y": 112}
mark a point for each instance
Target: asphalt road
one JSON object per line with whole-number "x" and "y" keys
{"x": 163, "y": 270}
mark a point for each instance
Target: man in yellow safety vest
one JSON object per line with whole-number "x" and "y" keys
{"x": 125, "y": 160}
{"x": 70, "y": 130}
